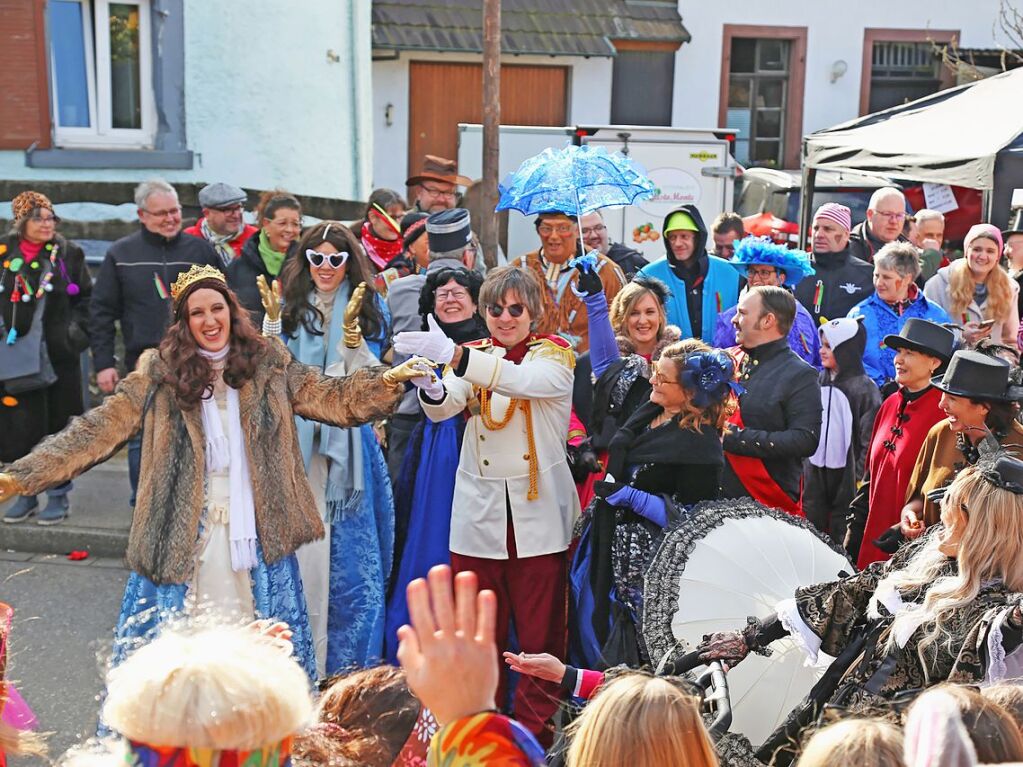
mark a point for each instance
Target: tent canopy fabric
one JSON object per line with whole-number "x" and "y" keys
{"x": 951, "y": 137}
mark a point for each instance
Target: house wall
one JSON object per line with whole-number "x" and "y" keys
{"x": 261, "y": 120}
{"x": 589, "y": 101}
{"x": 835, "y": 32}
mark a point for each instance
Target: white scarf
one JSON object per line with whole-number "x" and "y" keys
{"x": 228, "y": 452}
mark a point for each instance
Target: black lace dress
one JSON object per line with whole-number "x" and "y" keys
{"x": 681, "y": 465}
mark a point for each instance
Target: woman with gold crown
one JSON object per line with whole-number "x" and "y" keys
{"x": 223, "y": 500}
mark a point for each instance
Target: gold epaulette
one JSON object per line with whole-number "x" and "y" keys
{"x": 545, "y": 347}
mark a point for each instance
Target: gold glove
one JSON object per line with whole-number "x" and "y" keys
{"x": 350, "y": 324}
{"x": 271, "y": 297}
{"x": 10, "y": 487}
{"x": 414, "y": 367}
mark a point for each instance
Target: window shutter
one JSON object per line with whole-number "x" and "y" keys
{"x": 24, "y": 91}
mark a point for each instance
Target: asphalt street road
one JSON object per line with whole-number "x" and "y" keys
{"x": 64, "y": 615}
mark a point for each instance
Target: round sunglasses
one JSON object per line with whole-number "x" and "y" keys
{"x": 334, "y": 260}
{"x": 496, "y": 310}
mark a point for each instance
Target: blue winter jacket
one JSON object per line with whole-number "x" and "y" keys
{"x": 881, "y": 320}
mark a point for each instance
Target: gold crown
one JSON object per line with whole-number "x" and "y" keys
{"x": 195, "y": 274}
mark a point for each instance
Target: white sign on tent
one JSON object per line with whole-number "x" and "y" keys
{"x": 940, "y": 197}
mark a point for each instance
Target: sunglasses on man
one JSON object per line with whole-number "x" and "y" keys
{"x": 334, "y": 260}
{"x": 496, "y": 310}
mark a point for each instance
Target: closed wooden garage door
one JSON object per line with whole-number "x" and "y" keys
{"x": 441, "y": 95}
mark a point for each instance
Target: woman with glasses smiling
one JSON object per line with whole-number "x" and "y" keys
{"x": 426, "y": 483}
{"x": 44, "y": 315}
{"x": 264, "y": 253}
{"x": 333, "y": 319}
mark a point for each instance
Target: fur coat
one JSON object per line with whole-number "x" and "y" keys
{"x": 171, "y": 491}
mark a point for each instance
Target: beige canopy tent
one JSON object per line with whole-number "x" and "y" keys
{"x": 967, "y": 136}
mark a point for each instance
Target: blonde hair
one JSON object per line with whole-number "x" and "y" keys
{"x": 222, "y": 687}
{"x": 693, "y": 417}
{"x": 641, "y": 721}
{"x": 625, "y": 301}
{"x": 991, "y": 547}
{"x": 961, "y": 286}
{"x": 854, "y": 743}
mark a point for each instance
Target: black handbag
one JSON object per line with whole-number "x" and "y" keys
{"x": 25, "y": 365}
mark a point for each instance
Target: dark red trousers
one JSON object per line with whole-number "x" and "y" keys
{"x": 532, "y": 591}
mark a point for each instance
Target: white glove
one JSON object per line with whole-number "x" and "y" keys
{"x": 432, "y": 343}
{"x": 431, "y": 386}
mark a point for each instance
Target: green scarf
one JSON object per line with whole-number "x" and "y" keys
{"x": 272, "y": 259}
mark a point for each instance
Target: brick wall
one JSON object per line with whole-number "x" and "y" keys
{"x": 24, "y": 96}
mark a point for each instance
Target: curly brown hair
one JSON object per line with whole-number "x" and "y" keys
{"x": 364, "y": 717}
{"x": 188, "y": 372}
{"x": 693, "y": 417}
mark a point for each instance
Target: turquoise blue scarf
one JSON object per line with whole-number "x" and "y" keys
{"x": 342, "y": 447}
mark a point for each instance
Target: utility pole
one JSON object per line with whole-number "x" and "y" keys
{"x": 491, "y": 125}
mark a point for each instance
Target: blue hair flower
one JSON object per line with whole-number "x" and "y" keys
{"x": 709, "y": 377}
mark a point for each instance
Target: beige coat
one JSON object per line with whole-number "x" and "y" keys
{"x": 171, "y": 491}
{"x": 494, "y": 465}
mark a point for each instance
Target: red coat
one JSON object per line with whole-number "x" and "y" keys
{"x": 890, "y": 467}
{"x": 236, "y": 244}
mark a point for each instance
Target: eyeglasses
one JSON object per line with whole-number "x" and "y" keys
{"x": 496, "y": 310}
{"x": 594, "y": 229}
{"x": 169, "y": 213}
{"x": 453, "y": 295}
{"x": 563, "y": 229}
{"x": 230, "y": 209}
{"x": 763, "y": 273}
{"x": 287, "y": 223}
{"x": 658, "y": 378}
{"x": 45, "y": 219}
{"x": 432, "y": 190}
{"x": 334, "y": 260}
{"x": 897, "y": 215}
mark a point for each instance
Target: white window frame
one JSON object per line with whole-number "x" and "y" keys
{"x": 101, "y": 134}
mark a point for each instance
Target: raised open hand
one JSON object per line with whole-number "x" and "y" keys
{"x": 354, "y": 305}
{"x": 448, "y": 652}
{"x": 350, "y": 324}
{"x": 270, "y": 296}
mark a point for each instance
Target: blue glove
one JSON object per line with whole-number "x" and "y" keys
{"x": 646, "y": 505}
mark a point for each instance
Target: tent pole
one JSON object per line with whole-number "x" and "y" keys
{"x": 986, "y": 198}
{"x": 806, "y": 200}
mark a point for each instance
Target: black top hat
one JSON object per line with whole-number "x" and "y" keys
{"x": 925, "y": 337}
{"x": 978, "y": 376}
{"x": 1016, "y": 225}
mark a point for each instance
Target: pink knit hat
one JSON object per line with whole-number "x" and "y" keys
{"x": 982, "y": 230}
{"x": 832, "y": 211}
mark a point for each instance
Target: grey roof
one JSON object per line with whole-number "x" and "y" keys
{"x": 548, "y": 27}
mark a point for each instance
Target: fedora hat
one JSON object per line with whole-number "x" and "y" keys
{"x": 978, "y": 376}
{"x": 1016, "y": 225}
{"x": 925, "y": 337}
{"x": 438, "y": 169}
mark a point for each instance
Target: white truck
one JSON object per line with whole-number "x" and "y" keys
{"x": 688, "y": 166}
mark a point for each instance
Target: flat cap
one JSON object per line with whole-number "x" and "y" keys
{"x": 220, "y": 195}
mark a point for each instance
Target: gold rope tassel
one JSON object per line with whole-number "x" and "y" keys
{"x": 492, "y": 425}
